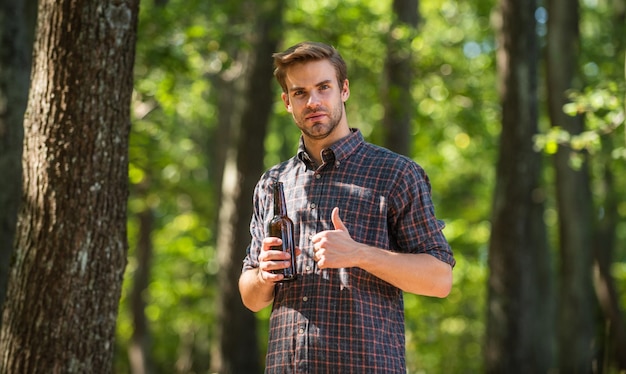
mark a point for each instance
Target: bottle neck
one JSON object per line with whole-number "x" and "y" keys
{"x": 280, "y": 205}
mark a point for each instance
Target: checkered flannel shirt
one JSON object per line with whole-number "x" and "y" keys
{"x": 345, "y": 320}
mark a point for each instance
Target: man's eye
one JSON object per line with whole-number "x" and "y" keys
{"x": 324, "y": 87}
{"x": 298, "y": 93}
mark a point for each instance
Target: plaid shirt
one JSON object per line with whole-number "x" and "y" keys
{"x": 345, "y": 320}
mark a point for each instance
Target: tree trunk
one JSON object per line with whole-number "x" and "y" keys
{"x": 606, "y": 233}
{"x": 228, "y": 87}
{"x": 66, "y": 278}
{"x": 398, "y": 99}
{"x": 604, "y": 247}
{"x": 17, "y": 23}
{"x": 577, "y": 305}
{"x": 140, "y": 347}
{"x": 238, "y": 346}
{"x": 519, "y": 336}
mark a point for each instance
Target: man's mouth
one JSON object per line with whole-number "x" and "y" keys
{"x": 315, "y": 116}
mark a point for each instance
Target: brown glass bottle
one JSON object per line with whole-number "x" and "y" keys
{"x": 282, "y": 227}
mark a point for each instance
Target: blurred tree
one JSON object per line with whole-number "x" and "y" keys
{"x": 229, "y": 85}
{"x": 17, "y": 24}
{"x": 604, "y": 246}
{"x": 139, "y": 351}
{"x": 576, "y": 310}
{"x": 606, "y": 234}
{"x": 239, "y": 352}
{"x": 520, "y": 299}
{"x": 61, "y": 305}
{"x": 399, "y": 74}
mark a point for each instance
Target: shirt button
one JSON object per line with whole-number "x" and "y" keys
{"x": 308, "y": 268}
{"x": 318, "y": 176}
{"x": 337, "y": 164}
{"x": 305, "y": 299}
{"x": 313, "y": 205}
{"x": 300, "y": 331}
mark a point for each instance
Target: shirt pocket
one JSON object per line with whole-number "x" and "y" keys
{"x": 364, "y": 212}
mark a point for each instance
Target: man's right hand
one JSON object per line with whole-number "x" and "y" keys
{"x": 271, "y": 260}
{"x": 257, "y": 285}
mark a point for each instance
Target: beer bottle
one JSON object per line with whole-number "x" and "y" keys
{"x": 282, "y": 227}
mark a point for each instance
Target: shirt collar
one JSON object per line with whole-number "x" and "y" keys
{"x": 339, "y": 150}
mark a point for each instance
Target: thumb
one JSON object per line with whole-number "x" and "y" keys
{"x": 337, "y": 222}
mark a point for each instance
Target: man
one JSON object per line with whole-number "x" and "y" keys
{"x": 364, "y": 225}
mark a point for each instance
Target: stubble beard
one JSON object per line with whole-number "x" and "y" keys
{"x": 320, "y": 130}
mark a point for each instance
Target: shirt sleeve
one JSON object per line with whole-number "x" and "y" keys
{"x": 414, "y": 225}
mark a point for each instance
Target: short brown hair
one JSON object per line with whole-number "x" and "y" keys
{"x": 308, "y": 51}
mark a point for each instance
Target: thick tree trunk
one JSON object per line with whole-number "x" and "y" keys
{"x": 17, "y": 23}
{"x": 577, "y": 304}
{"x": 238, "y": 346}
{"x": 66, "y": 278}
{"x": 519, "y": 336}
{"x": 397, "y": 96}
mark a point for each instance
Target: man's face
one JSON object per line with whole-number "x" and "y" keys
{"x": 315, "y": 99}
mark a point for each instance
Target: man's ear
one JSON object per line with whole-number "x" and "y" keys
{"x": 345, "y": 90}
{"x": 285, "y": 98}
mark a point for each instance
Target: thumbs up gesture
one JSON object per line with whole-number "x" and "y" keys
{"x": 335, "y": 248}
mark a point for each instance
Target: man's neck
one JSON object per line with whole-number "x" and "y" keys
{"x": 314, "y": 147}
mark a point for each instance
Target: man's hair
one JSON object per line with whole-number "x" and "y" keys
{"x": 305, "y": 52}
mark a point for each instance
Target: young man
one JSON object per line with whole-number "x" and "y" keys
{"x": 364, "y": 225}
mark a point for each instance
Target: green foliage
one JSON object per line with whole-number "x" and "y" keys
{"x": 446, "y": 335}
{"x": 603, "y": 111}
{"x": 170, "y": 175}
{"x": 602, "y": 100}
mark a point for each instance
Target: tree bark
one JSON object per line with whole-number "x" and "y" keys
{"x": 577, "y": 305}
{"x": 66, "y": 278}
{"x": 238, "y": 346}
{"x": 17, "y": 23}
{"x": 397, "y": 97}
{"x": 519, "y": 336}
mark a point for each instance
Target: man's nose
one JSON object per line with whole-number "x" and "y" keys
{"x": 314, "y": 100}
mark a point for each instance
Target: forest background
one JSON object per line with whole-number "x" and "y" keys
{"x": 428, "y": 80}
